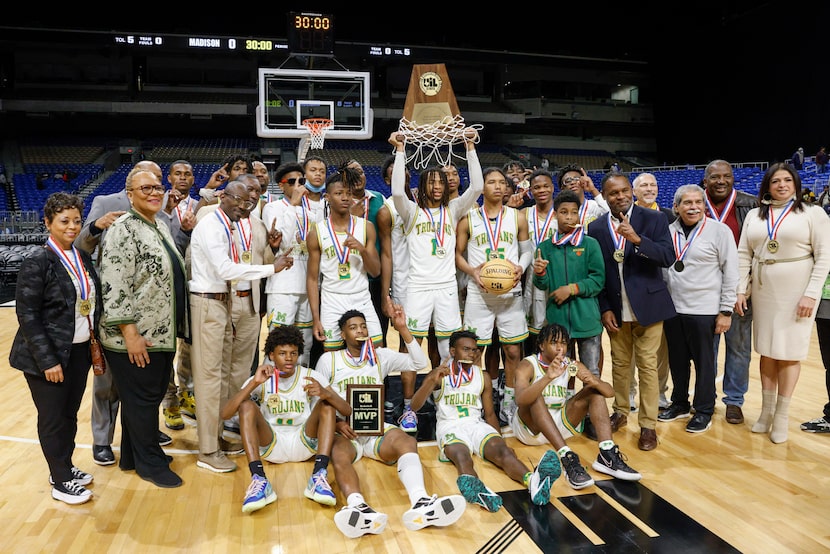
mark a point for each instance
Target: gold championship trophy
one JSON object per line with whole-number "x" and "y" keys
{"x": 431, "y": 118}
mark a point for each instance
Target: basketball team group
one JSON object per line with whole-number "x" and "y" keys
{"x": 511, "y": 282}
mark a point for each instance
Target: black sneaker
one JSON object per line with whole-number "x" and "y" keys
{"x": 611, "y": 462}
{"x": 818, "y": 425}
{"x": 71, "y": 492}
{"x": 699, "y": 423}
{"x": 80, "y": 477}
{"x": 578, "y": 478}
{"x": 674, "y": 411}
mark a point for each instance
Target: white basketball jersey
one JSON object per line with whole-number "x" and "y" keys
{"x": 462, "y": 401}
{"x": 348, "y": 278}
{"x": 556, "y": 392}
{"x": 400, "y": 252}
{"x": 479, "y": 247}
{"x": 431, "y": 265}
{"x": 341, "y": 369}
{"x": 290, "y": 220}
{"x": 288, "y": 406}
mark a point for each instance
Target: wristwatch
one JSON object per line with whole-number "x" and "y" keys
{"x": 727, "y": 313}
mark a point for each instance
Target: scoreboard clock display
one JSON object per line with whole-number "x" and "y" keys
{"x": 310, "y": 34}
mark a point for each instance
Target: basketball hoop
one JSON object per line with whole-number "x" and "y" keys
{"x": 317, "y": 127}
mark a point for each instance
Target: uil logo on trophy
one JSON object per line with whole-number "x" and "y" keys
{"x": 431, "y": 121}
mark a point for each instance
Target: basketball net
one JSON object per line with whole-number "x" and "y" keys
{"x": 317, "y": 128}
{"x": 429, "y": 139}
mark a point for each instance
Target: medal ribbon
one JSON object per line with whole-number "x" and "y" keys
{"x": 617, "y": 239}
{"x": 246, "y": 237}
{"x": 367, "y": 353}
{"x": 302, "y": 219}
{"x": 541, "y": 234}
{"x": 341, "y": 251}
{"x": 772, "y": 224}
{"x": 226, "y": 226}
{"x": 74, "y": 266}
{"x": 458, "y": 375}
{"x": 439, "y": 229}
{"x": 542, "y": 364}
{"x": 575, "y": 237}
{"x": 680, "y": 253}
{"x": 583, "y": 214}
{"x": 493, "y": 236}
{"x": 726, "y": 208}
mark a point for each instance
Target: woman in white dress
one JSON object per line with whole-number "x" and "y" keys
{"x": 783, "y": 260}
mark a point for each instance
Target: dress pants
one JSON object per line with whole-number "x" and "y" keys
{"x": 210, "y": 357}
{"x": 57, "y": 407}
{"x": 642, "y": 342}
{"x": 142, "y": 389}
{"x": 690, "y": 340}
{"x": 105, "y": 402}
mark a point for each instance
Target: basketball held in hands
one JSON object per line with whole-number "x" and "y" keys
{"x": 497, "y": 276}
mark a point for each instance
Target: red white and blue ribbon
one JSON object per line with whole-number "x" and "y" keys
{"x": 680, "y": 253}
{"x": 774, "y": 224}
{"x": 458, "y": 375}
{"x": 228, "y": 228}
{"x": 439, "y": 229}
{"x": 616, "y": 238}
{"x": 74, "y": 265}
{"x": 245, "y": 235}
{"x": 541, "y": 233}
{"x": 341, "y": 251}
{"x": 726, "y": 208}
{"x": 493, "y": 233}
{"x": 368, "y": 353}
{"x": 574, "y": 237}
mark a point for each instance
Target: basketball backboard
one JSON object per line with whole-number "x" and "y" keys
{"x": 288, "y": 96}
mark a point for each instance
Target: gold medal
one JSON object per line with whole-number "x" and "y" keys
{"x": 85, "y": 307}
{"x": 343, "y": 270}
{"x": 619, "y": 255}
{"x": 273, "y": 400}
{"x": 246, "y": 256}
{"x": 772, "y": 246}
{"x": 441, "y": 252}
{"x": 494, "y": 255}
{"x": 572, "y": 369}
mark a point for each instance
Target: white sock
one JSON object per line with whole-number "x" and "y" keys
{"x": 780, "y": 420}
{"x": 767, "y": 408}
{"x": 355, "y": 499}
{"x": 411, "y": 474}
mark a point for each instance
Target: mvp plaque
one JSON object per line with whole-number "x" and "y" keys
{"x": 367, "y": 409}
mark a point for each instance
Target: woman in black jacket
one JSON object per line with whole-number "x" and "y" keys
{"x": 57, "y": 302}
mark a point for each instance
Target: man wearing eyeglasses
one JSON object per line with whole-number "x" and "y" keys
{"x": 221, "y": 253}
{"x": 286, "y": 292}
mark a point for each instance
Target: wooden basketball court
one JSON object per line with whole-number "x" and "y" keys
{"x": 725, "y": 490}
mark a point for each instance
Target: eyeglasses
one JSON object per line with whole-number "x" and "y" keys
{"x": 569, "y": 180}
{"x": 293, "y": 180}
{"x": 146, "y": 190}
{"x": 245, "y": 203}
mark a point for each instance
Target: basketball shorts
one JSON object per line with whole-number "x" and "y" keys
{"x": 369, "y": 446}
{"x": 469, "y": 431}
{"x": 506, "y": 311}
{"x": 536, "y": 303}
{"x": 332, "y": 306}
{"x": 289, "y": 445}
{"x": 288, "y": 309}
{"x": 437, "y": 306}
{"x": 566, "y": 428}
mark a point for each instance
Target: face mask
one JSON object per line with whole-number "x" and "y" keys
{"x": 312, "y": 188}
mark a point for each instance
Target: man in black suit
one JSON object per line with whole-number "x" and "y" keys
{"x": 636, "y": 245}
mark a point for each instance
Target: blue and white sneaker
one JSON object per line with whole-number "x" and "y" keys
{"x": 258, "y": 495}
{"x": 543, "y": 477}
{"x": 80, "y": 477}
{"x": 319, "y": 490}
{"x": 356, "y": 521}
{"x": 434, "y": 510}
{"x": 476, "y": 492}
{"x": 409, "y": 421}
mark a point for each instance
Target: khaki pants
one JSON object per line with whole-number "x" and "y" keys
{"x": 643, "y": 343}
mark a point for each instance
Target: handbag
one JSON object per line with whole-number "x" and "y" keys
{"x": 96, "y": 350}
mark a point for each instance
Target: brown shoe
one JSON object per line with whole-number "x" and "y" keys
{"x": 618, "y": 420}
{"x": 648, "y": 439}
{"x": 734, "y": 415}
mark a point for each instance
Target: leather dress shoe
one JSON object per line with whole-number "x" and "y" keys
{"x": 648, "y": 439}
{"x": 618, "y": 420}
{"x": 102, "y": 455}
{"x": 734, "y": 414}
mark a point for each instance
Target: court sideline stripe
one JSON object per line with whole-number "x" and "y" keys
{"x": 501, "y": 540}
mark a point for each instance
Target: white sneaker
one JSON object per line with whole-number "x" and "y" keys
{"x": 356, "y": 521}
{"x": 438, "y": 511}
